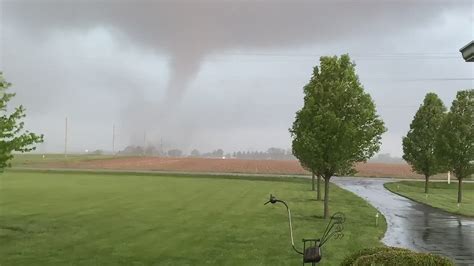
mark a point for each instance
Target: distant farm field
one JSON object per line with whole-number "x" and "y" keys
{"x": 127, "y": 219}
{"x": 203, "y": 165}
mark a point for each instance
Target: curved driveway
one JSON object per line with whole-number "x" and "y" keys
{"x": 413, "y": 225}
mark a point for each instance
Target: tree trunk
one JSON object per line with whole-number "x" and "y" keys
{"x": 326, "y": 197}
{"x": 312, "y": 181}
{"x": 319, "y": 188}
{"x": 427, "y": 179}
{"x": 459, "y": 190}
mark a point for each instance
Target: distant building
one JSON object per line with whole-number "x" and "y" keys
{"x": 468, "y": 52}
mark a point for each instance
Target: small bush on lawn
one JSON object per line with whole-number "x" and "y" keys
{"x": 393, "y": 256}
{"x": 349, "y": 260}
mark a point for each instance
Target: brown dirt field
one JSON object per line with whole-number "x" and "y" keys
{"x": 283, "y": 167}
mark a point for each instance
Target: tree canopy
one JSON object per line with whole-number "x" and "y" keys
{"x": 419, "y": 143}
{"x": 13, "y": 137}
{"x": 455, "y": 142}
{"x": 337, "y": 125}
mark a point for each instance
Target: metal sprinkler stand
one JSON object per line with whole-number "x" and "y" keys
{"x": 312, "y": 247}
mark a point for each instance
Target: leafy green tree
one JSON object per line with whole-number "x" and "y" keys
{"x": 455, "y": 143}
{"x": 419, "y": 143}
{"x": 337, "y": 125}
{"x": 12, "y": 136}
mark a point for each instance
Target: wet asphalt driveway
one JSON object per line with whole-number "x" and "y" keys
{"x": 416, "y": 226}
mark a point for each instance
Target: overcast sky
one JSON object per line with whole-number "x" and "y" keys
{"x": 220, "y": 74}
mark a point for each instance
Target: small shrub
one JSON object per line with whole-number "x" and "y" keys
{"x": 389, "y": 256}
{"x": 349, "y": 260}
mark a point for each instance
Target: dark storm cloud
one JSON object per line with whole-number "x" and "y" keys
{"x": 190, "y": 30}
{"x": 188, "y": 34}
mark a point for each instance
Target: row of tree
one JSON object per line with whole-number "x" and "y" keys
{"x": 270, "y": 154}
{"x": 439, "y": 141}
{"x": 219, "y": 153}
{"x": 149, "y": 150}
{"x": 338, "y": 126}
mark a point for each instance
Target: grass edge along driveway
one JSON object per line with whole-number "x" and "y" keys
{"x": 441, "y": 195}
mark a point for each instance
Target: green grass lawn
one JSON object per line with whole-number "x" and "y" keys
{"x": 126, "y": 219}
{"x": 441, "y": 195}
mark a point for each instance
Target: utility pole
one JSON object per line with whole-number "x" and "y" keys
{"x": 65, "y": 140}
{"x": 113, "y": 139}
